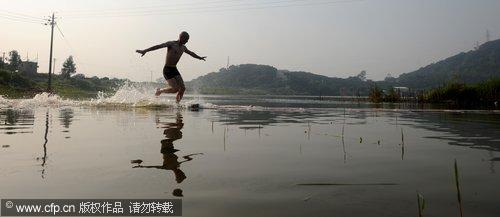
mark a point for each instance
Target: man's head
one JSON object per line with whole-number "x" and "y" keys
{"x": 183, "y": 37}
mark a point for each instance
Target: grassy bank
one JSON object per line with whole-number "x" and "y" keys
{"x": 481, "y": 94}
{"x": 18, "y": 85}
{"x": 484, "y": 94}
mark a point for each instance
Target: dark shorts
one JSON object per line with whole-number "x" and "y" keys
{"x": 170, "y": 72}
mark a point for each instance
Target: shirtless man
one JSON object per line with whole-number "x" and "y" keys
{"x": 175, "y": 49}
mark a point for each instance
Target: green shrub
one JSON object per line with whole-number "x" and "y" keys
{"x": 375, "y": 94}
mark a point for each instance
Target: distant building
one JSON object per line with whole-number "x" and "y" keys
{"x": 28, "y": 67}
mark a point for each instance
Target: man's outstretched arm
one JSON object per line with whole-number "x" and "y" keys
{"x": 191, "y": 53}
{"x": 156, "y": 47}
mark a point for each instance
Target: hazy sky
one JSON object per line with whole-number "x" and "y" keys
{"x": 332, "y": 38}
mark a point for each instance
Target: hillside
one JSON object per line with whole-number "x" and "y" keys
{"x": 471, "y": 67}
{"x": 263, "y": 79}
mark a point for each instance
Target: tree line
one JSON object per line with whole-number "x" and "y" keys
{"x": 13, "y": 63}
{"x": 14, "y": 83}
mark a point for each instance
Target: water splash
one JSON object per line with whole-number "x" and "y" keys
{"x": 142, "y": 95}
{"x": 139, "y": 95}
{"x": 39, "y": 100}
{"x": 129, "y": 95}
{"x": 133, "y": 95}
{"x": 3, "y": 102}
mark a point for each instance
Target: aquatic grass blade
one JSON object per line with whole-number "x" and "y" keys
{"x": 459, "y": 194}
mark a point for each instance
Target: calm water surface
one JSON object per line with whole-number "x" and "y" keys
{"x": 256, "y": 161}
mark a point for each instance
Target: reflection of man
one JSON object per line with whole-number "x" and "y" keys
{"x": 170, "y": 159}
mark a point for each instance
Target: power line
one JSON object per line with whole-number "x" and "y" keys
{"x": 73, "y": 51}
{"x": 218, "y": 8}
{"x": 21, "y": 15}
{"x": 67, "y": 41}
{"x": 2, "y": 16}
{"x": 213, "y": 9}
{"x": 150, "y": 6}
{"x": 132, "y": 11}
{"x": 59, "y": 29}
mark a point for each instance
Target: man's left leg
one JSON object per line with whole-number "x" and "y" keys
{"x": 182, "y": 88}
{"x": 174, "y": 87}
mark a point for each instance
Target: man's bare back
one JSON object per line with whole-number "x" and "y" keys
{"x": 175, "y": 49}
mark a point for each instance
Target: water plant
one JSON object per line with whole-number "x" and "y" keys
{"x": 309, "y": 130}
{"x": 402, "y": 144}
{"x": 459, "y": 194}
{"x": 225, "y": 134}
{"x": 421, "y": 204}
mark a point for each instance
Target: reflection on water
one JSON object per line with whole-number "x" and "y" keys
{"x": 171, "y": 161}
{"x": 269, "y": 152}
{"x": 46, "y": 140}
{"x": 16, "y": 121}
{"x": 66, "y": 116}
{"x": 479, "y": 131}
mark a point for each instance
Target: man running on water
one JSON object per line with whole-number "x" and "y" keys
{"x": 175, "y": 49}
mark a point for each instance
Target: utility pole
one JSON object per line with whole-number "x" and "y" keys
{"x": 2, "y": 62}
{"x": 54, "y": 66}
{"x": 476, "y": 47}
{"x": 487, "y": 35}
{"x": 227, "y": 66}
{"x": 52, "y": 23}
